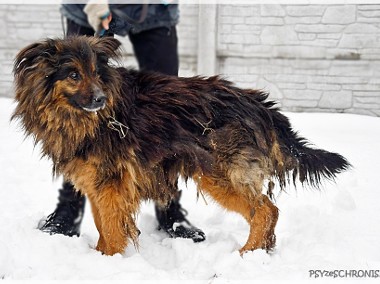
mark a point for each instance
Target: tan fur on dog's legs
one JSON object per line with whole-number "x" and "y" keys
{"x": 262, "y": 224}
{"x": 259, "y": 212}
{"x": 270, "y": 238}
{"x": 113, "y": 219}
{"x": 98, "y": 224}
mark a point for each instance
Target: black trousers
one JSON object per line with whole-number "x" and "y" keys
{"x": 155, "y": 49}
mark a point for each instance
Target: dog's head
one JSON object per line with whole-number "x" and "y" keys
{"x": 74, "y": 71}
{"x": 63, "y": 87}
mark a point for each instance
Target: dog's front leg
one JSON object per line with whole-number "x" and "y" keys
{"x": 113, "y": 217}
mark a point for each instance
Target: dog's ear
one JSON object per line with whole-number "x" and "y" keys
{"x": 32, "y": 56}
{"x": 108, "y": 47}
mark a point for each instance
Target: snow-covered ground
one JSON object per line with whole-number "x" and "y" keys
{"x": 337, "y": 228}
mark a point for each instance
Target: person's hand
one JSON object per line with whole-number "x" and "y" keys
{"x": 98, "y": 14}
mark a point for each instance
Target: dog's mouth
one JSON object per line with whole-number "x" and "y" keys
{"x": 94, "y": 109}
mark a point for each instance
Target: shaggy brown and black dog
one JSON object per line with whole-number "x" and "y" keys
{"x": 123, "y": 136}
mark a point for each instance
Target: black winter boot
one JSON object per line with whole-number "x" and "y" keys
{"x": 67, "y": 217}
{"x": 172, "y": 220}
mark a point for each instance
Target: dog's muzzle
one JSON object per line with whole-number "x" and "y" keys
{"x": 98, "y": 101}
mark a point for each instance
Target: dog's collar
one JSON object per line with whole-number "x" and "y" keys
{"x": 117, "y": 126}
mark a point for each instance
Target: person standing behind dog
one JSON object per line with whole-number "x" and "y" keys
{"x": 152, "y": 32}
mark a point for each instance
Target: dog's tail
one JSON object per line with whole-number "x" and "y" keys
{"x": 314, "y": 164}
{"x": 309, "y": 165}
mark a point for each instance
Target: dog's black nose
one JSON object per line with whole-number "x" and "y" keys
{"x": 99, "y": 99}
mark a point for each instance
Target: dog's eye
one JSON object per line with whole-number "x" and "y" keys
{"x": 74, "y": 76}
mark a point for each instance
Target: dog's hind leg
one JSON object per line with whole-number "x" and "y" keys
{"x": 270, "y": 237}
{"x": 114, "y": 220}
{"x": 262, "y": 224}
{"x": 257, "y": 209}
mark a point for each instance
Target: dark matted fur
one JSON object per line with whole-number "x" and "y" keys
{"x": 229, "y": 140}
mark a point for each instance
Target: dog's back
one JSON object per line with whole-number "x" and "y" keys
{"x": 210, "y": 121}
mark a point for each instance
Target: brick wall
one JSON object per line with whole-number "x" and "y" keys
{"x": 309, "y": 57}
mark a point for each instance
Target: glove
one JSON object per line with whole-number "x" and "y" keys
{"x": 97, "y": 12}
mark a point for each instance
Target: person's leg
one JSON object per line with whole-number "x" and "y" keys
{"x": 172, "y": 219}
{"x": 156, "y": 50}
{"x": 67, "y": 217}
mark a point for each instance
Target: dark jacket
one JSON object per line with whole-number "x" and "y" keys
{"x": 127, "y": 18}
